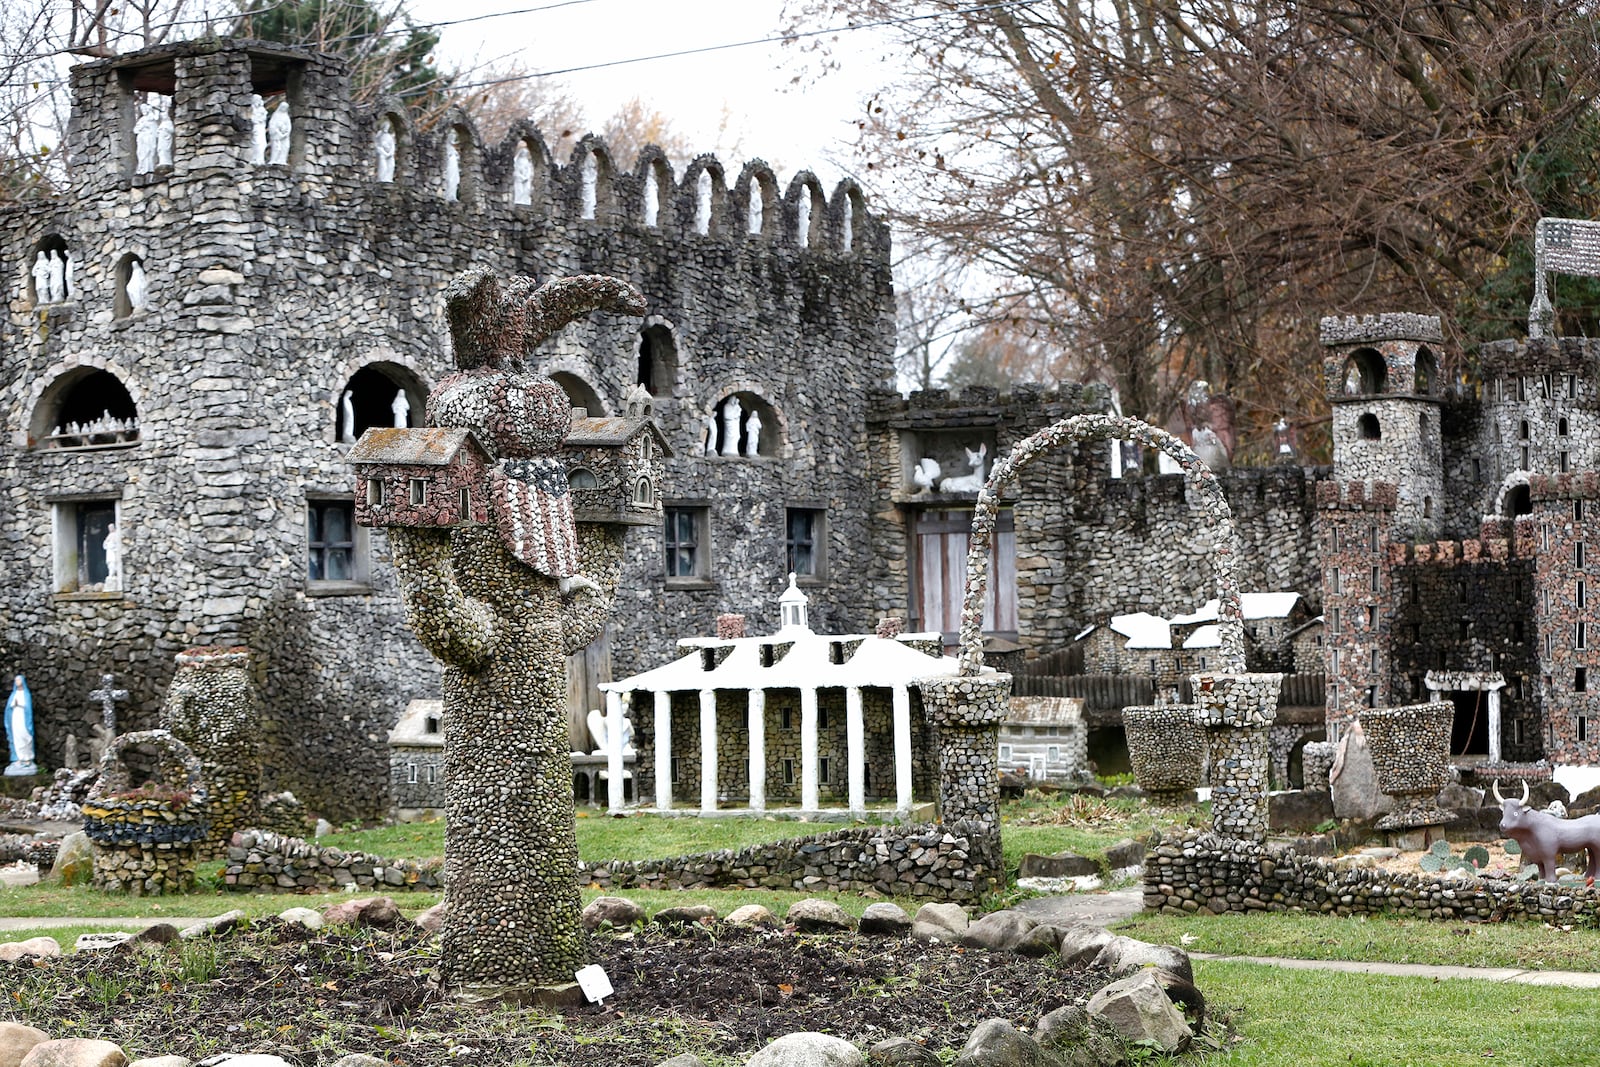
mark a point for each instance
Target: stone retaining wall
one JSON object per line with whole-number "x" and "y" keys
{"x": 1204, "y": 871}
{"x": 905, "y": 861}
{"x": 22, "y": 848}
{"x": 263, "y": 862}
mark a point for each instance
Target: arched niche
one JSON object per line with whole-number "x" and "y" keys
{"x": 579, "y": 392}
{"x": 1425, "y": 371}
{"x": 596, "y": 183}
{"x": 807, "y": 210}
{"x": 1364, "y": 373}
{"x": 644, "y": 492}
{"x": 378, "y": 394}
{"x": 742, "y": 424}
{"x": 655, "y": 187}
{"x": 85, "y": 407}
{"x": 582, "y": 478}
{"x": 849, "y": 210}
{"x": 391, "y": 143}
{"x": 759, "y": 205}
{"x": 461, "y": 163}
{"x": 132, "y": 286}
{"x": 51, "y": 271}
{"x": 1519, "y": 501}
{"x": 657, "y": 368}
{"x": 704, "y": 194}
{"x": 1367, "y": 427}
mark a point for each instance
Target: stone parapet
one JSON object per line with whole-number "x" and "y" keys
{"x": 1388, "y": 326}
{"x": 262, "y": 862}
{"x": 1348, "y": 496}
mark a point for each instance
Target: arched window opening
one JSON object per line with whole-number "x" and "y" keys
{"x": 51, "y": 278}
{"x": 271, "y": 129}
{"x": 1367, "y": 425}
{"x": 153, "y": 132}
{"x": 589, "y": 186}
{"x": 379, "y": 394}
{"x": 1524, "y": 431}
{"x": 579, "y": 393}
{"x": 644, "y": 494}
{"x": 1364, "y": 373}
{"x": 756, "y": 209}
{"x": 85, "y": 408}
{"x": 133, "y": 287}
{"x": 1422, "y": 422}
{"x": 741, "y": 424}
{"x": 703, "y": 188}
{"x": 582, "y": 478}
{"x": 458, "y": 160}
{"x": 658, "y": 360}
{"x": 1519, "y": 501}
{"x": 386, "y": 148}
{"x": 1427, "y": 507}
{"x": 652, "y": 197}
{"x": 522, "y": 175}
{"x": 1424, "y": 371}
{"x": 850, "y": 220}
{"x": 1562, "y": 428}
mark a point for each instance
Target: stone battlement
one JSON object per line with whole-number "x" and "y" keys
{"x": 1366, "y": 496}
{"x": 1450, "y": 553}
{"x": 1579, "y": 486}
{"x": 1389, "y": 326}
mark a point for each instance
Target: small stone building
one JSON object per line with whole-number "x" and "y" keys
{"x": 1045, "y": 738}
{"x": 416, "y": 761}
{"x": 423, "y": 477}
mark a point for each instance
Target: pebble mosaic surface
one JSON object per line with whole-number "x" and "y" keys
{"x": 1167, "y": 749}
{"x": 1411, "y": 750}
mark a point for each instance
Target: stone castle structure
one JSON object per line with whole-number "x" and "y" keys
{"x": 197, "y": 334}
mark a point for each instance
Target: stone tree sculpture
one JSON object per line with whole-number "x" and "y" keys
{"x": 1235, "y": 708}
{"x": 502, "y": 603}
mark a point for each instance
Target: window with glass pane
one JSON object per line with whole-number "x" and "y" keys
{"x": 804, "y": 542}
{"x": 94, "y": 519}
{"x": 331, "y": 528}
{"x": 684, "y": 559}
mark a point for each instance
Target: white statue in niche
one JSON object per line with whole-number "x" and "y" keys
{"x": 452, "y": 166}
{"x": 752, "y": 433}
{"x": 144, "y": 137}
{"x": 164, "y": 132}
{"x": 758, "y": 209}
{"x": 41, "y": 278}
{"x": 19, "y": 729}
{"x": 258, "y": 129}
{"x": 384, "y": 143}
{"x": 731, "y": 410}
{"x": 138, "y": 286}
{"x": 69, "y": 279}
{"x": 708, "y": 435}
{"x": 401, "y": 408}
{"x": 279, "y": 128}
{"x": 588, "y": 186}
{"x": 522, "y": 175}
{"x": 347, "y": 417}
{"x": 112, "y": 546}
{"x": 58, "y": 277}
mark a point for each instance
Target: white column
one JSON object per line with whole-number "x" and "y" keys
{"x": 663, "y": 750}
{"x": 855, "y": 743}
{"x": 708, "y": 750}
{"x": 1494, "y": 725}
{"x": 808, "y": 750}
{"x": 902, "y": 748}
{"x": 614, "y": 795}
{"x": 758, "y": 750}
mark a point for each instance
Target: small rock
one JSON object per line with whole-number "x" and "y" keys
{"x": 101, "y": 942}
{"x": 1043, "y": 940}
{"x": 33, "y": 946}
{"x": 432, "y": 918}
{"x": 1081, "y": 944}
{"x": 74, "y": 860}
{"x": 806, "y": 1049}
{"x": 814, "y": 916}
{"x": 686, "y": 1059}
{"x": 17, "y": 1040}
{"x": 323, "y": 829}
{"x": 618, "y": 912}
{"x": 939, "y": 922}
{"x": 901, "y": 1052}
{"x": 996, "y": 1043}
{"x": 1079, "y": 1039}
{"x": 688, "y": 915}
{"x": 216, "y": 926}
{"x": 751, "y": 915}
{"x": 1123, "y": 956}
{"x": 363, "y": 911}
{"x": 999, "y": 931}
{"x": 310, "y": 918}
{"x": 75, "y": 1052}
{"x": 884, "y": 919}
{"x": 1139, "y": 1010}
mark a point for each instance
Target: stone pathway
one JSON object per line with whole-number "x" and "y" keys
{"x": 1573, "y": 979}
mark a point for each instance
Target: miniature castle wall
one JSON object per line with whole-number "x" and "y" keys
{"x": 271, "y": 286}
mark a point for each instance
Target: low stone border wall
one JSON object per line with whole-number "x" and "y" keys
{"x": 905, "y": 861}
{"x": 23, "y": 848}
{"x": 259, "y": 861}
{"x": 1202, "y": 870}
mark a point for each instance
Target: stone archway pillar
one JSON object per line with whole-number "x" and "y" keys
{"x": 966, "y": 711}
{"x": 1236, "y": 711}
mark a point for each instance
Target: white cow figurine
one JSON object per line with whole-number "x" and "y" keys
{"x": 968, "y": 483}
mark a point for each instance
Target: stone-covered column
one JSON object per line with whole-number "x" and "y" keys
{"x": 967, "y": 711}
{"x": 211, "y": 707}
{"x": 708, "y": 750}
{"x": 902, "y": 748}
{"x": 758, "y": 749}
{"x": 1236, "y": 711}
{"x": 663, "y": 741}
{"x": 810, "y": 797}
{"x": 855, "y": 748}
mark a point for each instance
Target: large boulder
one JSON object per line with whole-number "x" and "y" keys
{"x": 885, "y": 919}
{"x": 939, "y": 922}
{"x": 1298, "y": 809}
{"x": 685, "y": 916}
{"x": 806, "y": 1049}
{"x": 901, "y": 1052}
{"x": 431, "y": 920}
{"x": 216, "y": 926}
{"x": 74, "y": 863}
{"x": 1125, "y": 853}
{"x": 814, "y": 916}
{"x": 1060, "y": 865}
{"x": 1354, "y": 778}
{"x": 1142, "y": 1013}
{"x": 33, "y": 946}
{"x": 1123, "y": 956}
{"x": 998, "y": 931}
{"x": 75, "y": 1052}
{"x": 996, "y": 1043}
{"x": 1080, "y": 1039}
{"x": 618, "y": 912}
{"x": 363, "y": 911}
{"x": 17, "y": 1040}
{"x": 751, "y": 915}
{"x": 1080, "y": 944}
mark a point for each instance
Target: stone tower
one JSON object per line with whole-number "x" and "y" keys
{"x": 1560, "y": 534}
{"x": 1355, "y": 522}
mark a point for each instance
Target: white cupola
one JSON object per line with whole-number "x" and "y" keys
{"x": 792, "y": 608}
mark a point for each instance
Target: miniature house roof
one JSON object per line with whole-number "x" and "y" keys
{"x": 1303, "y": 627}
{"x": 1208, "y": 636}
{"x": 412, "y": 729}
{"x": 613, "y": 431}
{"x": 1143, "y": 630}
{"x": 1252, "y": 605}
{"x": 1044, "y": 711}
{"x": 429, "y": 446}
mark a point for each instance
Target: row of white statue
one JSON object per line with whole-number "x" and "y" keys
{"x": 153, "y": 132}
{"x": 105, "y": 424}
{"x": 53, "y": 279}
{"x": 729, "y": 443}
{"x": 400, "y": 408}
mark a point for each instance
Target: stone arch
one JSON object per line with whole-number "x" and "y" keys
{"x": 582, "y": 478}
{"x": 806, "y": 210}
{"x": 658, "y": 362}
{"x": 1513, "y": 492}
{"x": 592, "y": 179}
{"x": 374, "y": 387}
{"x": 773, "y": 438}
{"x": 132, "y": 759}
{"x": 84, "y": 406}
{"x": 524, "y": 145}
{"x": 1425, "y": 371}
{"x": 654, "y": 175}
{"x": 1102, "y": 428}
{"x": 391, "y": 112}
{"x": 51, "y": 246}
{"x": 1365, "y": 373}
{"x": 756, "y": 196}
{"x": 703, "y": 196}
{"x": 1368, "y": 428}
{"x": 457, "y": 134}
{"x": 849, "y": 216}
{"x": 579, "y": 392}
{"x": 127, "y": 297}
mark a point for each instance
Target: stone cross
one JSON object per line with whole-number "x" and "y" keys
{"x": 108, "y": 697}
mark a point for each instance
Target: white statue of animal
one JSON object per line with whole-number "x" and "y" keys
{"x": 926, "y": 474}
{"x": 968, "y": 483}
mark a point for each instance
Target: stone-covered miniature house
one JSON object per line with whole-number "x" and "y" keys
{"x": 1045, "y": 738}
{"x": 615, "y": 465}
{"x": 423, "y": 477}
{"x": 416, "y": 762}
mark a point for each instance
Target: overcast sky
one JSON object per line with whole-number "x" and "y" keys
{"x": 791, "y": 126}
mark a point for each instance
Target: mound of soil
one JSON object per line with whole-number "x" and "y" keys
{"x": 309, "y": 996}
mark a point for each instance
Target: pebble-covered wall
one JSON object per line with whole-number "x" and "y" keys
{"x": 263, "y": 862}
{"x": 212, "y": 708}
{"x": 273, "y": 289}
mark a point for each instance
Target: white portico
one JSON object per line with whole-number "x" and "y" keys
{"x": 774, "y": 687}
